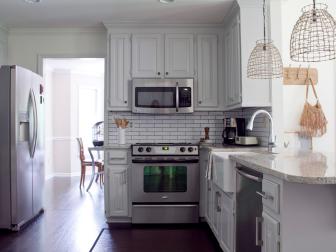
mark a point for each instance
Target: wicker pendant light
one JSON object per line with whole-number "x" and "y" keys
{"x": 265, "y": 60}
{"x": 313, "y": 38}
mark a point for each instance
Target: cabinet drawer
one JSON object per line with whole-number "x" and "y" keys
{"x": 271, "y": 191}
{"x": 116, "y": 157}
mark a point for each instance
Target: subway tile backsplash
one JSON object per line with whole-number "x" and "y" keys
{"x": 180, "y": 127}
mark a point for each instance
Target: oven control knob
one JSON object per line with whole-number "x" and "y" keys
{"x": 148, "y": 149}
{"x": 182, "y": 149}
{"x": 190, "y": 149}
{"x": 140, "y": 149}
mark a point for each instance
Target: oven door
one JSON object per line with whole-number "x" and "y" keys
{"x": 161, "y": 182}
{"x": 162, "y": 96}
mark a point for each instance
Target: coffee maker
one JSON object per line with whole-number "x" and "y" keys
{"x": 233, "y": 127}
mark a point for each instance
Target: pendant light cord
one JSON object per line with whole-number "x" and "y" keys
{"x": 314, "y": 4}
{"x": 264, "y": 13}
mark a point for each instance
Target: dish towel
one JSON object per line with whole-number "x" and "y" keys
{"x": 208, "y": 173}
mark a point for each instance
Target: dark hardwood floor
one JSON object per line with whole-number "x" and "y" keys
{"x": 73, "y": 220}
{"x": 157, "y": 239}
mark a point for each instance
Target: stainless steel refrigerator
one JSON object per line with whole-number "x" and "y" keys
{"x": 21, "y": 146}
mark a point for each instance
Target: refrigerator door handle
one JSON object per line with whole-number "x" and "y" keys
{"x": 35, "y": 123}
{"x": 32, "y": 123}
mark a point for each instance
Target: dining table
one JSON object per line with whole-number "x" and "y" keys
{"x": 91, "y": 150}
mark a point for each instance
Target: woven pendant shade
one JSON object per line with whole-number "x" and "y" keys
{"x": 265, "y": 60}
{"x": 313, "y": 38}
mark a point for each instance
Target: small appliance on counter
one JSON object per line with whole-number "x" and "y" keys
{"x": 233, "y": 127}
{"x": 234, "y": 133}
{"x": 246, "y": 140}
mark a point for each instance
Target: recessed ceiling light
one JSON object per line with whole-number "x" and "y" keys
{"x": 32, "y": 1}
{"x": 166, "y": 1}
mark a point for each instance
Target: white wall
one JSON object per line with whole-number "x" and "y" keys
{"x": 26, "y": 45}
{"x": 294, "y": 96}
{"x": 61, "y": 121}
{"x": 3, "y": 45}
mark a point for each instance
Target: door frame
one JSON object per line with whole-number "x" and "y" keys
{"x": 39, "y": 68}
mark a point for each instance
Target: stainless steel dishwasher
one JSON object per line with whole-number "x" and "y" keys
{"x": 249, "y": 210}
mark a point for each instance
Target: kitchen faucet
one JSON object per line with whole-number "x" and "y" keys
{"x": 272, "y": 138}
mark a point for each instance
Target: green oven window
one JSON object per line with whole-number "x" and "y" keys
{"x": 165, "y": 179}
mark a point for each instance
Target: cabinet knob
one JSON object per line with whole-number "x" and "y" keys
{"x": 166, "y": 73}
{"x": 125, "y": 101}
{"x": 200, "y": 102}
{"x": 159, "y": 73}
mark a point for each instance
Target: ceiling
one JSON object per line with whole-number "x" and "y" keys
{"x": 91, "y": 13}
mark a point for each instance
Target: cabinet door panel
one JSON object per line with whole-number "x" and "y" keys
{"x": 147, "y": 55}
{"x": 179, "y": 55}
{"x": 207, "y": 85}
{"x": 236, "y": 80}
{"x": 119, "y": 72}
{"x": 233, "y": 93}
{"x": 117, "y": 191}
{"x": 270, "y": 234}
{"x": 227, "y": 223}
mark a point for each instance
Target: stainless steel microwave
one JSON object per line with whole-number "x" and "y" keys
{"x": 162, "y": 96}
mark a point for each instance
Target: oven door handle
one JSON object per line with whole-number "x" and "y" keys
{"x": 177, "y": 97}
{"x": 165, "y": 161}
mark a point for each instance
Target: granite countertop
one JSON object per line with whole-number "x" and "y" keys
{"x": 117, "y": 146}
{"x": 305, "y": 167}
{"x": 232, "y": 148}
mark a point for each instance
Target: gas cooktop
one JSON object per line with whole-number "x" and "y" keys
{"x": 165, "y": 149}
{"x": 166, "y": 144}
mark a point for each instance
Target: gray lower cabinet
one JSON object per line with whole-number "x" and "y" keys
{"x": 227, "y": 223}
{"x": 116, "y": 178}
{"x": 270, "y": 234}
{"x": 220, "y": 216}
{"x": 117, "y": 200}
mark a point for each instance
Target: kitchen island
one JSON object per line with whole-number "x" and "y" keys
{"x": 298, "y": 200}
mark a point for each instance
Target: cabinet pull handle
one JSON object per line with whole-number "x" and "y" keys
{"x": 125, "y": 102}
{"x": 159, "y": 73}
{"x": 124, "y": 177}
{"x": 166, "y": 73}
{"x": 259, "y": 242}
{"x": 199, "y": 102}
{"x": 265, "y": 196}
{"x": 218, "y": 202}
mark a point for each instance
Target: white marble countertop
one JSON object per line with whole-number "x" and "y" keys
{"x": 293, "y": 166}
{"x": 232, "y": 148}
{"x": 117, "y": 146}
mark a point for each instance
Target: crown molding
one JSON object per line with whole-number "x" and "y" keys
{"x": 135, "y": 24}
{"x": 52, "y": 30}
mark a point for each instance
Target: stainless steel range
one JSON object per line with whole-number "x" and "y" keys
{"x": 165, "y": 183}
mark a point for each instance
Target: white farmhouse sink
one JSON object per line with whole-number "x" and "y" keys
{"x": 223, "y": 170}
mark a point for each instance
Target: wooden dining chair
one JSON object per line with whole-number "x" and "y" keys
{"x": 88, "y": 163}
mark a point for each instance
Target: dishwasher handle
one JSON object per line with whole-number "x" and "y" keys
{"x": 249, "y": 176}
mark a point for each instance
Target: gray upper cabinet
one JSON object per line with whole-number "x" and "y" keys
{"x": 147, "y": 55}
{"x": 207, "y": 65}
{"x": 179, "y": 56}
{"x": 240, "y": 35}
{"x": 233, "y": 95}
{"x": 165, "y": 53}
{"x": 118, "y": 77}
{"x": 3, "y": 46}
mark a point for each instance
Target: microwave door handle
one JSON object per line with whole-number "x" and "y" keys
{"x": 177, "y": 97}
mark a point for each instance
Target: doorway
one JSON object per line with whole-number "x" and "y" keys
{"x": 74, "y": 95}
